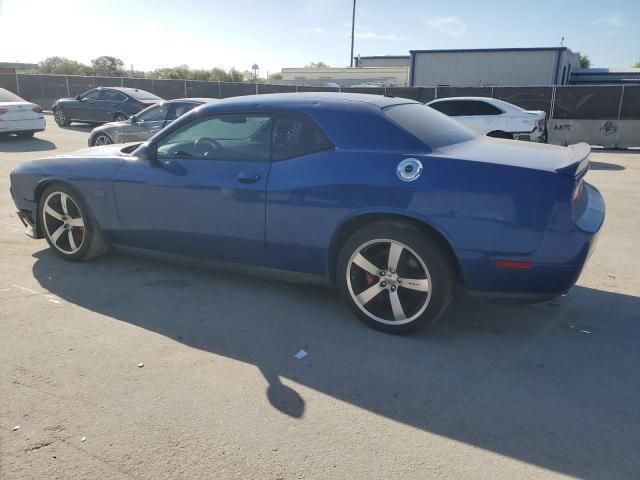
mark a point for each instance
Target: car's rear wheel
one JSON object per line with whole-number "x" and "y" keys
{"x": 395, "y": 277}
{"x": 69, "y": 229}
{"x": 101, "y": 139}
{"x": 119, "y": 117}
{"x": 60, "y": 116}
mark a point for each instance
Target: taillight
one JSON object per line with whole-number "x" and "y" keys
{"x": 577, "y": 193}
{"x": 37, "y": 109}
{"x": 3, "y": 111}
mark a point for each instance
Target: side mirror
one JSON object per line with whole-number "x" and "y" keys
{"x": 78, "y": 97}
{"x": 133, "y": 119}
{"x": 151, "y": 154}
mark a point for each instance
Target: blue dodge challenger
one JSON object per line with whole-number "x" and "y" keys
{"x": 390, "y": 200}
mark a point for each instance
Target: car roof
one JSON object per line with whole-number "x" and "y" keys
{"x": 301, "y": 100}
{"x": 194, "y": 100}
{"x": 132, "y": 92}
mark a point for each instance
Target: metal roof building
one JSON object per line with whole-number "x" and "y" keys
{"x": 492, "y": 66}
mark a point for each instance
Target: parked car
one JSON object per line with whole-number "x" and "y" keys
{"x": 144, "y": 125}
{"x": 101, "y": 105}
{"x": 17, "y": 116}
{"x": 390, "y": 200}
{"x": 495, "y": 118}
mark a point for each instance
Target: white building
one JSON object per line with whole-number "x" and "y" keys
{"x": 345, "y": 77}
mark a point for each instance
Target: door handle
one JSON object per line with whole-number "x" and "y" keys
{"x": 248, "y": 177}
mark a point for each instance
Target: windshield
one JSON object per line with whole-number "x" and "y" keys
{"x": 430, "y": 126}
{"x": 7, "y": 96}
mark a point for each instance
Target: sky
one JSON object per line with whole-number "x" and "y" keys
{"x": 283, "y": 33}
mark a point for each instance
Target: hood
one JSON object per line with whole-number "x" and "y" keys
{"x": 114, "y": 150}
{"x": 535, "y": 156}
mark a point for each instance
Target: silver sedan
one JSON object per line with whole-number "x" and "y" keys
{"x": 144, "y": 125}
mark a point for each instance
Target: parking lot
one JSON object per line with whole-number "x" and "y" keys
{"x": 494, "y": 391}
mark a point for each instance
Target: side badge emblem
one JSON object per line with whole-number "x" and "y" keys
{"x": 409, "y": 169}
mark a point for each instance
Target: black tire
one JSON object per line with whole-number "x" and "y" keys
{"x": 106, "y": 139}
{"x": 60, "y": 116}
{"x": 500, "y": 134}
{"x": 120, "y": 117}
{"x": 26, "y": 134}
{"x": 423, "y": 251}
{"x": 90, "y": 239}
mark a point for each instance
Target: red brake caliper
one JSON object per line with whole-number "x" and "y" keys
{"x": 369, "y": 278}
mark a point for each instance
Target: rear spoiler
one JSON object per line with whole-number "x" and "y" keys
{"x": 578, "y": 164}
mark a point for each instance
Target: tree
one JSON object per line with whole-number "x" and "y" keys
{"x": 234, "y": 75}
{"x": 637, "y": 65}
{"x": 274, "y": 76}
{"x": 317, "y": 65}
{"x": 63, "y": 66}
{"x": 107, "y": 66}
{"x": 584, "y": 61}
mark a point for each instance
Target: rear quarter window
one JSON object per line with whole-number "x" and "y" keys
{"x": 428, "y": 125}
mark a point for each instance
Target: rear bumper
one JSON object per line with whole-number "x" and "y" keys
{"x": 30, "y": 125}
{"x": 554, "y": 267}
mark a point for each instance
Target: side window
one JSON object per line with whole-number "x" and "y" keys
{"x": 231, "y": 137}
{"x": 157, "y": 113}
{"x": 474, "y": 108}
{"x": 112, "y": 96}
{"x": 448, "y": 108}
{"x": 179, "y": 109}
{"x": 296, "y": 134}
{"x": 91, "y": 95}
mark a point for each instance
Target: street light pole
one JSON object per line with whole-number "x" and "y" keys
{"x": 353, "y": 29}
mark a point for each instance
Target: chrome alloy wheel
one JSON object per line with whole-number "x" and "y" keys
{"x": 59, "y": 116}
{"x": 102, "y": 139}
{"x": 63, "y": 222}
{"x": 388, "y": 281}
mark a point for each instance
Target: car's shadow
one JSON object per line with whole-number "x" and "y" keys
{"x": 16, "y": 144}
{"x": 554, "y": 385}
{"x": 605, "y": 166}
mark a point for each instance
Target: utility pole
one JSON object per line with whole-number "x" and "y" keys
{"x": 353, "y": 29}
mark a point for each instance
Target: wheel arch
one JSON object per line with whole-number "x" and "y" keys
{"x": 37, "y": 196}
{"x": 500, "y": 134}
{"x": 352, "y": 224}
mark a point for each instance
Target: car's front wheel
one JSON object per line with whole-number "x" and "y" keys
{"x": 60, "y": 116}
{"x": 67, "y": 225}
{"x": 101, "y": 139}
{"x": 395, "y": 277}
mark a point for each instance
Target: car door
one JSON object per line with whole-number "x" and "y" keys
{"x": 83, "y": 108}
{"x": 109, "y": 103}
{"x": 206, "y": 197}
{"x": 145, "y": 124}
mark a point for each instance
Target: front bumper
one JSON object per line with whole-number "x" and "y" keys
{"x": 28, "y": 214}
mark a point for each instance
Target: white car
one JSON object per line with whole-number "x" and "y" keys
{"x": 19, "y": 116}
{"x": 495, "y": 118}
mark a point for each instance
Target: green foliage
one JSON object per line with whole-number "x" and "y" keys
{"x": 114, "y": 67}
{"x": 317, "y": 65}
{"x": 63, "y": 66}
{"x": 274, "y": 76}
{"x": 107, "y": 66}
{"x": 637, "y": 64}
{"x": 584, "y": 61}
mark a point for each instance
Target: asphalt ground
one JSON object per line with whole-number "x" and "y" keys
{"x": 494, "y": 391}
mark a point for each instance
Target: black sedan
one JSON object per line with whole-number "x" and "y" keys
{"x": 101, "y": 105}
